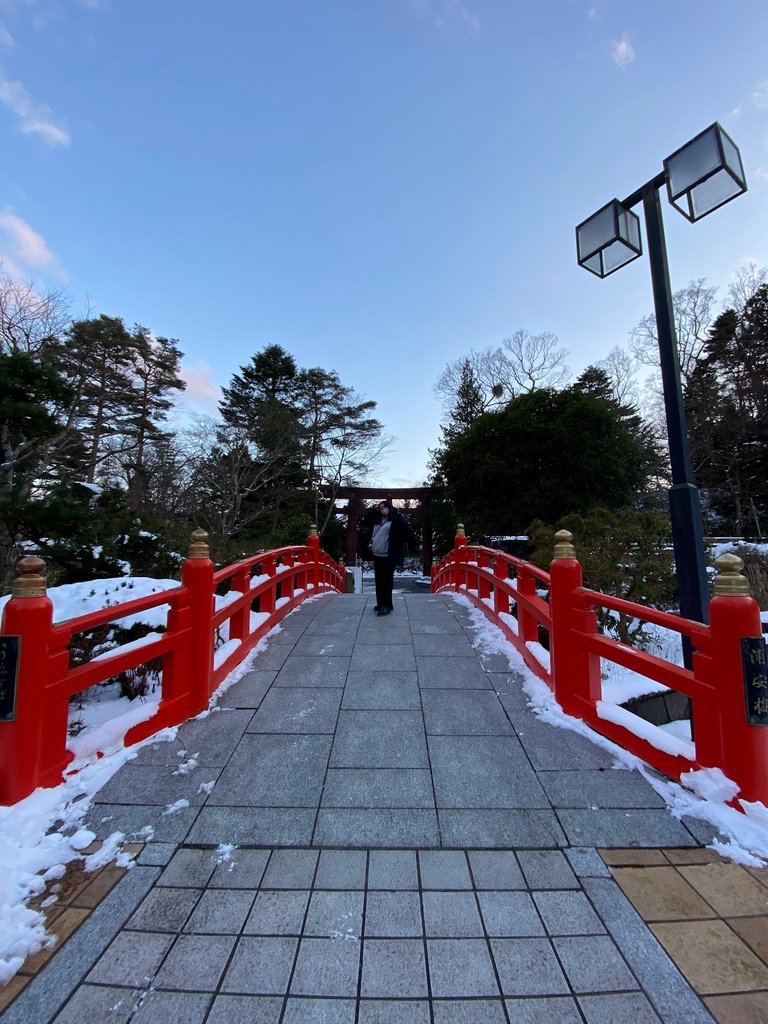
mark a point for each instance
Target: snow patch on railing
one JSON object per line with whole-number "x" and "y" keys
{"x": 652, "y": 734}
{"x": 509, "y": 621}
{"x": 143, "y": 641}
{"x": 541, "y": 654}
{"x": 221, "y": 655}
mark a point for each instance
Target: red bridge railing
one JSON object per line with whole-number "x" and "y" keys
{"x": 33, "y": 731}
{"x": 728, "y": 684}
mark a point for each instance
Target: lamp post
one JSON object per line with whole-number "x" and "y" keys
{"x": 699, "y": 177}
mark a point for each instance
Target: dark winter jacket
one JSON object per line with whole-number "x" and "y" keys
{"x": 400, "y": 534}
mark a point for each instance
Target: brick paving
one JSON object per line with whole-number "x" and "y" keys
{"x": 413, "y": 844}
{"x": 711, "y": 916}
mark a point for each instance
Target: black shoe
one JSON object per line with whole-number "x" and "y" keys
{"x": 377, "y": 607}
{"x": 384, "y": 611}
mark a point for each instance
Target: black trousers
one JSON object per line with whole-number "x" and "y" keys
{"x": 384, "y": 572}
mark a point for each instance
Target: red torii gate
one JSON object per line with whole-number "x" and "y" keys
{"x": 355, "y": 495}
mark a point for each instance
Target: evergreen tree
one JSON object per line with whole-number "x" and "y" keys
{"x": 155, "y": 367}
{"x": 29, "y": 392}
{"x": 547, "y": 454}
{"x": 96, "y": 360}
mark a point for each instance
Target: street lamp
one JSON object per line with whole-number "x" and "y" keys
{"x": 701, "y": 176}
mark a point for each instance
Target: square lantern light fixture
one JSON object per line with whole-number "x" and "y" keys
{"x": 609, "y": 239}
{"x": 705, "y": 173}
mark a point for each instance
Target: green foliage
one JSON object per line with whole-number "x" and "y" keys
{"x": 547, "y": 454}
{"x": 27, "y": 393}
{"x": 623, "y": 552}
{"x": 84, "y": 537}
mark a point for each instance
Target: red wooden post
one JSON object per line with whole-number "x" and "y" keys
{"x": 500, "y": 597}
{"x": 267, "y": 599}
{"x": 460, "y": 555}
{"x": 528, "y": 627}
{"x": 433, "y": 577}
{"x": 313, "y": 573}
{"x": 343, "y": 582}
{"x": 287, "y": 578}
{"x": 483, "y": 583}
{"x": 240, "y": 622}
{"x": 197, "y": 576}
{"x": 740, "y": 749}
{"x": 29, "y": 616}
{"x": 575, "y": 672}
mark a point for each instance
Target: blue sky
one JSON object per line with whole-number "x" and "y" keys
{"x": 377, "y": 185}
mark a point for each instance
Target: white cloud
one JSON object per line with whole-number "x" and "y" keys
{"x": 6, "y": 39}
{"x": 201, "y": 387}
{"x": 444, "y": 13}
{"x": 761, "y": 174}
{"x": 36, "y": 118}
{"x": 23, "y": 250}
{"x": 757, "y": 100}
{"x": 622, "y": 51}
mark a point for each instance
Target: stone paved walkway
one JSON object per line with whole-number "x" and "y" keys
{"x": 413, "y": 846}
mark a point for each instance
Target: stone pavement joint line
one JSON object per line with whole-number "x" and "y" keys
{"x": 413, "y": 844}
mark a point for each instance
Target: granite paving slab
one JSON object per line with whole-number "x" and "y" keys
{"x": 381, "y": 691}
{"x": 273, "y": 770}
{"x": 379, "y": 739}
{"x": 449, "y": 674}
{"x": 587, "y": 788}
{"x": 298, "y": 709}
{"x": 308, "y": 670}
{"x": 378, "y": 787}
{"x": 464, "y": 713}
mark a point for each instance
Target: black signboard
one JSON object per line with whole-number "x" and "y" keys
{"x": 10, "y": 647}
{"x": 755, "y": 666}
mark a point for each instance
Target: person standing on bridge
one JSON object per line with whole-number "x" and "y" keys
{"x": 389, "y": 533}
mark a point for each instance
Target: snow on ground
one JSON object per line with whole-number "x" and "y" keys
{"x": 704, "y": 794}
{"x": 39, "y": 836}
{"x": 73, "y": 599}
{"x": 729, "y": 547}
{"x": 621, "y": 684}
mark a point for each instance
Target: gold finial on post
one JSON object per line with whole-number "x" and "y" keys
{"x": 563, "y": 546}
{"x": 30, "y": 582}
{"x": 313, "y": 530}
{"x": 460, "y": 530}
{"x": 729, "y": 582}
{"x": 199, "y": 547}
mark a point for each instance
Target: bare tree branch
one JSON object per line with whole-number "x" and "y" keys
{"x": 747, "y": 280}
{"x": 530, "y": 361}
{"x": 693, "y": 310}
{"x": 621, "y": 368}
{"x": 29, "y": 319}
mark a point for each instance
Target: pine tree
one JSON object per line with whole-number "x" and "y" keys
{"x": 155, "y": 368}
{"x": 96, "y": 361}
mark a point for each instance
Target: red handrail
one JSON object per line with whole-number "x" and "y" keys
{"x": 33, "y": 750}
{"x": 724, "y": 735}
